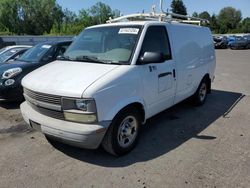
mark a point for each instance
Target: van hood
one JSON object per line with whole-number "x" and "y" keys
{"x": 65, "y": 78}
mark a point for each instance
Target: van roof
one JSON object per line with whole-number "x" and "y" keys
{"x": 142, "y": 23}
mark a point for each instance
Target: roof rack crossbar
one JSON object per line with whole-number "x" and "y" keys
{"x": 163, "y": 16}
{"x": 169, "y": 17}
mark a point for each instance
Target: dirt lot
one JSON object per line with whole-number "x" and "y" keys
{"x": 184, "y": 146}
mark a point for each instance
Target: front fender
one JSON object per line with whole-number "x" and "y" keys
{"x": 122, "y": 104}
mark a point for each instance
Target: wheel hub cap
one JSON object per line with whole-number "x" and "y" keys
{"x": 203, "y": 91}
{"x": 127, "y": 131}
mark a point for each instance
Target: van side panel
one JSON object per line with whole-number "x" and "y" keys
{"x": 116, "y": 90}
{"x": 193, "y": 51}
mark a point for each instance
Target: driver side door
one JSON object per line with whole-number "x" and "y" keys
{"x": 158, "y": 78}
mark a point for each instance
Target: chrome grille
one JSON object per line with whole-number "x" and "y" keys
{"x": 51, "y": 99}
{"x": 48, "y": 112}
{"x": 48, "y": 105}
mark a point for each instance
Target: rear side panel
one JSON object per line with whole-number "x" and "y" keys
{"x": 193, "y": 51}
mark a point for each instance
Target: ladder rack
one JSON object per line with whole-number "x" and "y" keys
{"x": 170, "y": 17}
{"x": 163, "y": 16}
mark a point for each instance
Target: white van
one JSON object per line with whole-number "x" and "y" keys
{"x": 114, "y": 77}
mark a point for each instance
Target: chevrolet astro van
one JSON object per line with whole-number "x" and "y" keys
{"x": 114, "y": 77}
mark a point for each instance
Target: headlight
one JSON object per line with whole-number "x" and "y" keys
{"x": 11, "y": 73}
{"x": 79, "y": 110}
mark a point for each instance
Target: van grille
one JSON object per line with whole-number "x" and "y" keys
{"x": 33, "y": 99}
{"x": 51, "y": 99}
{"x": 48, "y": 112}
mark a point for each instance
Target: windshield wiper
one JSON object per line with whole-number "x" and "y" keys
{"x": 113, "y": 63}
{"x": 89, "y": 59}
{"x": 66, "y": 58}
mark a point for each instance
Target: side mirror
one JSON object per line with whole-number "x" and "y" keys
{"x": 151, "y": 57}
{"x": 59, "y": 57}
{"x": 48, "y": 58}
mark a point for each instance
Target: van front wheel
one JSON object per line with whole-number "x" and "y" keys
{"x": 200, "y": 95}
{"x": 123, "y": 132}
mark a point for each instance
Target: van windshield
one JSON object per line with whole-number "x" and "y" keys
{"x": 111, "y": 45}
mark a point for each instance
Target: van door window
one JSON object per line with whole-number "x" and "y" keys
{"x": 156, "y": 40}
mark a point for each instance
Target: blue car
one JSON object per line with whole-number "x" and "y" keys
{"x": 239, "y": 42}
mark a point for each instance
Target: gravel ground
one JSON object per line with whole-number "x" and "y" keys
{"x": 184, "y": 146}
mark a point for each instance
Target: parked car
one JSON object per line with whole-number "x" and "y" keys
{"x": 220, "y": 42}
{"x": 11, "y": 53}
{"x": 114, "y": 77}
{"x": 4, "y": 43}
{"x": 247, "y": 38}
{"x": 13, "y": 72}
{"x": 239, "y": 43}
{"x": 7, "y": 48}
{"x": 230, "y": 40}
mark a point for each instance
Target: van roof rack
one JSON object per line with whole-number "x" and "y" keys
{"x": 163, "y": 16}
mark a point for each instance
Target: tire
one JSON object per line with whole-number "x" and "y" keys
{"x": 200, "y": 95}
{"x": 123, "y": 133}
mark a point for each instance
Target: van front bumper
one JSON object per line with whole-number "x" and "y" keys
{"x": 77, "y": 134}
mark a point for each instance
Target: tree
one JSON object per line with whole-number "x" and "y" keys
{"x": 205, "y": 15}
{"x": 229, "y": 19}
{"x": 245, "y": 25}
{"x": 32, "y": 17}
{"x": 97, "y": 14}
{"x": 101, "y": 12}
{"x": 68, "y": 21}
{"x": 38, "y": 16}
{"x": 9, "y": 16}
{"x": 69, "y": 16}
{"x": 58, "y": 15}
{"x": 214, "y": 24}
{"x": 195, "y": 15}
{"x": 178, "y": 7}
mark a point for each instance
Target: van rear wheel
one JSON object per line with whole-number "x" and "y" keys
{"x": 200, "y": 95}
{"x": 123, "y": 133}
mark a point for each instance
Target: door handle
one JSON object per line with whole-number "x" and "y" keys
{"x": 164, "y": 74}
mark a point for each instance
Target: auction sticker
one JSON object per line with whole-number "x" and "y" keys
{"x": 46, "y": 46}
{"x": 133, "y": 31}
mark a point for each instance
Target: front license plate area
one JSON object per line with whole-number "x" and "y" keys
{"x": 35, "y": 126}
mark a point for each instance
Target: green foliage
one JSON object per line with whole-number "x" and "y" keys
{"x": 37, "y": 17}
{"x": 214, "y": 26}
{"x": 229, "y": 19}
{"x": 33, "y": 17}
{"x": 178, "y": 7}
{"x": 205, "y": 15}
{"x": 245, "y": 25}
{"x": 195, "y": 14}
{"x": 58, "y": 15}
{"x": 73, "y": 24}
{"x": 9, "y": 16}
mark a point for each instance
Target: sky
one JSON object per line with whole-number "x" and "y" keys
{"x": 134, "y": 6}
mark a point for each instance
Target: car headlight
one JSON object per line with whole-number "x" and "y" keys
{"x": 79, "y": 110}
{"x": 11, "y": 73}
